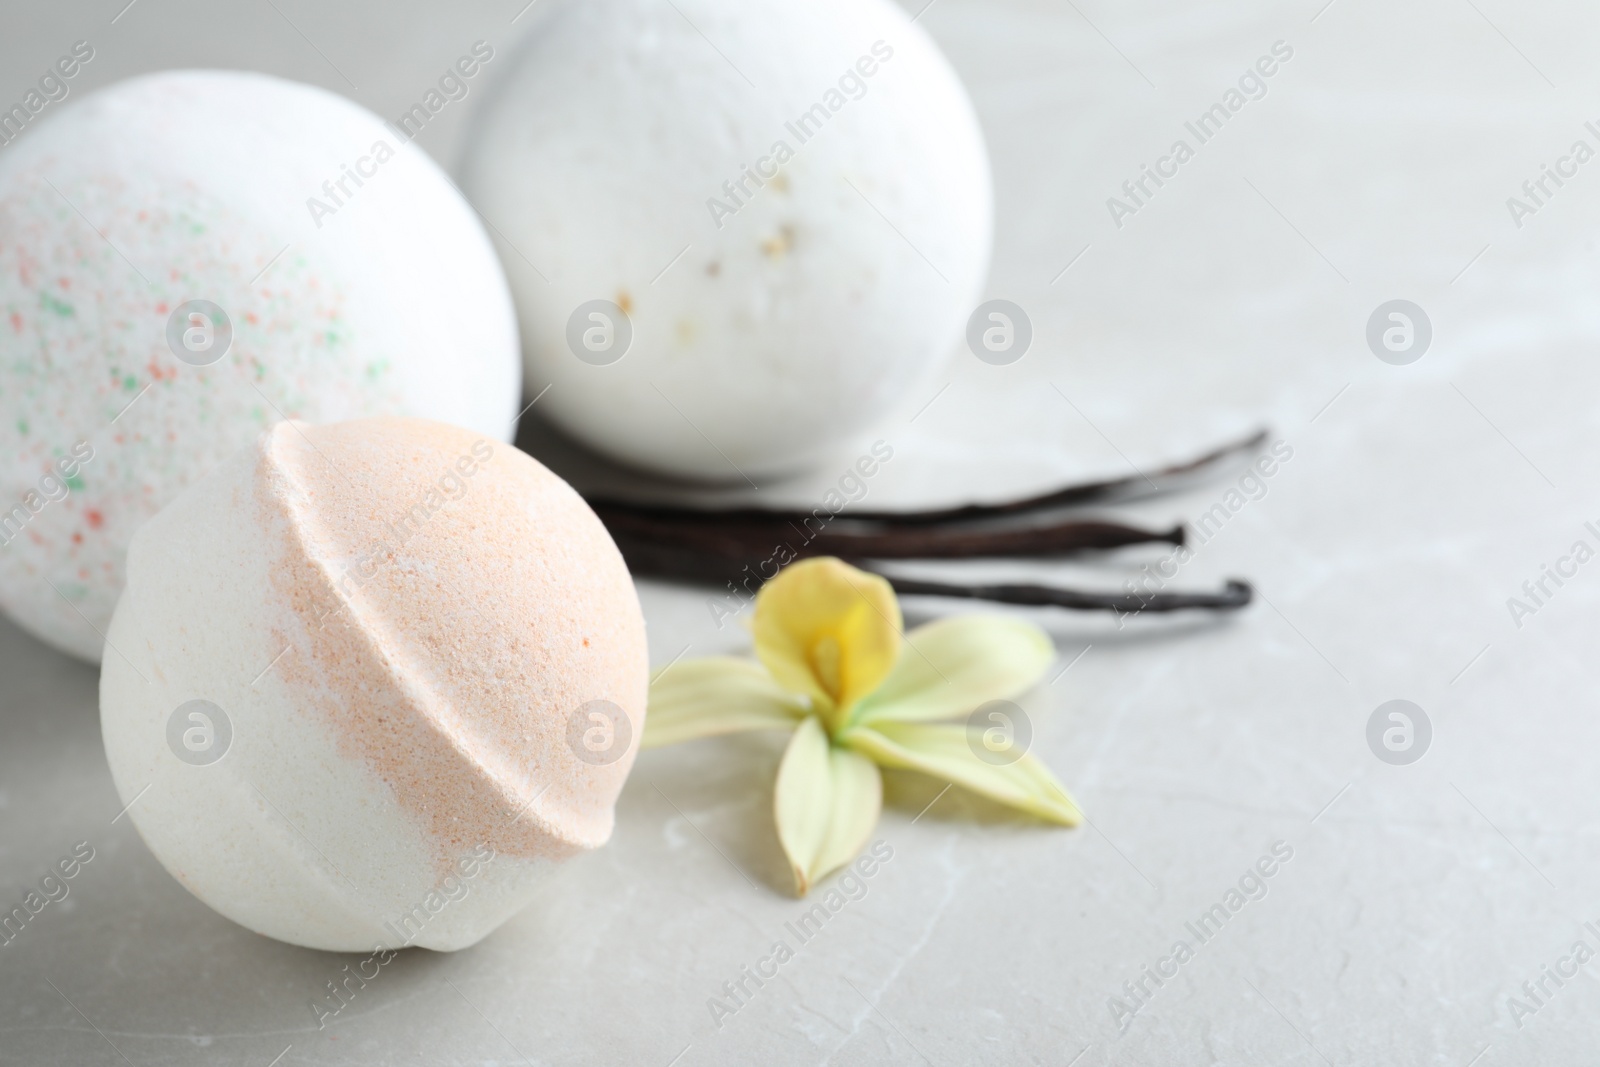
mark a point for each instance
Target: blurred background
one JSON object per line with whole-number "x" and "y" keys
{"x": 1418, "y": 500}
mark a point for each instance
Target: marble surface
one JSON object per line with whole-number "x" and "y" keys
{"x": 1418, "y": 899}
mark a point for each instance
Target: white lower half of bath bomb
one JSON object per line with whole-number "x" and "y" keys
{"x": 772, "y": 321}
{"x": 399, "y": 687}
{"x": 356, "y": 280}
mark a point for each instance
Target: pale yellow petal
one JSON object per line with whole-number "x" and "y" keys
{"x": 857, "y": 803}
{"x": 828, "y": 630}
{"x": 951, "y": 666}
{"x": 803, "y": 799}
{"x": 826, "y": 802}
{"x": 716, "y": 695}
{"x": 942, "y": 751}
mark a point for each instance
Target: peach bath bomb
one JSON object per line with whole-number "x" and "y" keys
{"x": 368, "y": 680}
{"x": 188, "y": 257}
{"x": 738, "y": 232}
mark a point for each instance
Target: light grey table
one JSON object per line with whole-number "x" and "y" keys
{"x": 1418, "y": 900}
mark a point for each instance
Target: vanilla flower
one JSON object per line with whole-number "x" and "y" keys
{"x": 835, "y": 669}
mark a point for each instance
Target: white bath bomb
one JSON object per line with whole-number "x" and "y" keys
{"x": 368, "y": 680}
{"x": 375, "y": 293}
{"x": 794, "y": 252}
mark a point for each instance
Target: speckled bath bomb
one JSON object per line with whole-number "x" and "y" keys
{"x": 354, "y": 279}
{"x": 368, "y": 680}
{"x": 789, "y": 202}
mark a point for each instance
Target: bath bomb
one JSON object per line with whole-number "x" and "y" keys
{"x": 367, "y": 681}
{"x": 188, "y": 257}
{"x": 737, "y": 231}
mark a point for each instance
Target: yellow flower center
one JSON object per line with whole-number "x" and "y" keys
{"x": 825, "y": 658}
